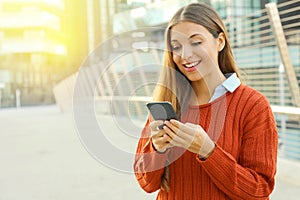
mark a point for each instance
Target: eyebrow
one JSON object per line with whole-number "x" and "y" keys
{"x": 196, "y": 34}
{"x": 191, "y": 36}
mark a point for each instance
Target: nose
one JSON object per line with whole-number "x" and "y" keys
{"x": 186, "y": 53}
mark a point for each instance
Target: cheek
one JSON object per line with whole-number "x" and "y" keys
{"x": 176, "y": 59}
{"x": 208, "y": 54}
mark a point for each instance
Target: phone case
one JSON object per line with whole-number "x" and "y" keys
{"x": 162, "y": 110}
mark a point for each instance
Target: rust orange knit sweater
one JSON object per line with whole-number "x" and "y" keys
{"x": 243, "y": 164}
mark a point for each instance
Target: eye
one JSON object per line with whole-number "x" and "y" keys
{"x": 196, "y": 43}
{"x": 175, "y": 47}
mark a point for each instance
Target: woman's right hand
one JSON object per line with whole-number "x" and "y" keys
{"x": 160, "y": 140}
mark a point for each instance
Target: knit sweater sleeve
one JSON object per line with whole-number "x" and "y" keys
{"x": 251, "y": 176}
{"x": 148, "y": 164}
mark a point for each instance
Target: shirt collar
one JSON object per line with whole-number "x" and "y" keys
{"x": 232, "y": 82}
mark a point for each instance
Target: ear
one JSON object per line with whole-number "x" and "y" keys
{"x": 221, "y": 41}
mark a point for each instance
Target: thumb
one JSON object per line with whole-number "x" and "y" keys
{"x": 155, "y": 124}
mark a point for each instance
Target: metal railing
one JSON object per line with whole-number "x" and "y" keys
{"x": 267, "y": 51}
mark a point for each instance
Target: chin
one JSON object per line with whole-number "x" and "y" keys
{"x": 195, "y": 78}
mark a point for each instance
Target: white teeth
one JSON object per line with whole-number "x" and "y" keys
{"x": 193, "y": 64}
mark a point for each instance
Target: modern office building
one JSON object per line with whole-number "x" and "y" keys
{"x": 41, "y": 43}
{"x": 156, "y": 13}
{"x": 248, "y": 24}
{"x": 31, "y": 47}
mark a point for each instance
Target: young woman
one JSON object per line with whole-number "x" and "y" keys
{"x": 225, "y": 144}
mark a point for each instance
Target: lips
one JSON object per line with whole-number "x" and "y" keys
{"x": 191, "y": 66}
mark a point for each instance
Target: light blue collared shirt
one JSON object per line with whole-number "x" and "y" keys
{"x": 231, "y": 83}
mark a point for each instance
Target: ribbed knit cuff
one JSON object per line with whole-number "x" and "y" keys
{"x": 207, "y": 148}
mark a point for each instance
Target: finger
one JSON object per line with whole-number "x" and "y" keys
{"x": 196, "y": 129}
{"x": 172, "y": 125}
{"x": 176, "y": 128}
{"x": 167, "y": 137}
{"x": 161, "y": 143}
{"x": 169, "y": 145}
{"x": 157, "y": 134}
{"x": 175, "y": 122}
{"x": 180, "y": 138}
{"x": 154, "y": 125}
{"x": 187, "y": 128}
{"x": 174, "y": 137}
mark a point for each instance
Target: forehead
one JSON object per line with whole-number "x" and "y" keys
{"x": 185, "y": 29}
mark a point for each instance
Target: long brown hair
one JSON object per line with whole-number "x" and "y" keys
{"x": 173, "y": 86}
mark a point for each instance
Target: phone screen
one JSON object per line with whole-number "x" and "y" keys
{"x": 162, "y": 110}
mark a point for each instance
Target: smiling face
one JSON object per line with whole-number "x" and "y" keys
{"x": 195, "y": 50}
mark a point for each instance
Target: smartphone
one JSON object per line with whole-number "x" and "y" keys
{"x": 162, "y": 111}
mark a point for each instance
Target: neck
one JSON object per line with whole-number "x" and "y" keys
{"x": 204, "y": 89}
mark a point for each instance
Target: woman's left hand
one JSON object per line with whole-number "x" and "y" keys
{"x": 189, "y": 136}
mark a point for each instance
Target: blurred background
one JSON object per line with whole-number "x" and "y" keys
{"x": 44, "y": 41}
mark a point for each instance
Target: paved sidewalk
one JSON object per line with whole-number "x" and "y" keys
{"x": 42, "y": 158}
